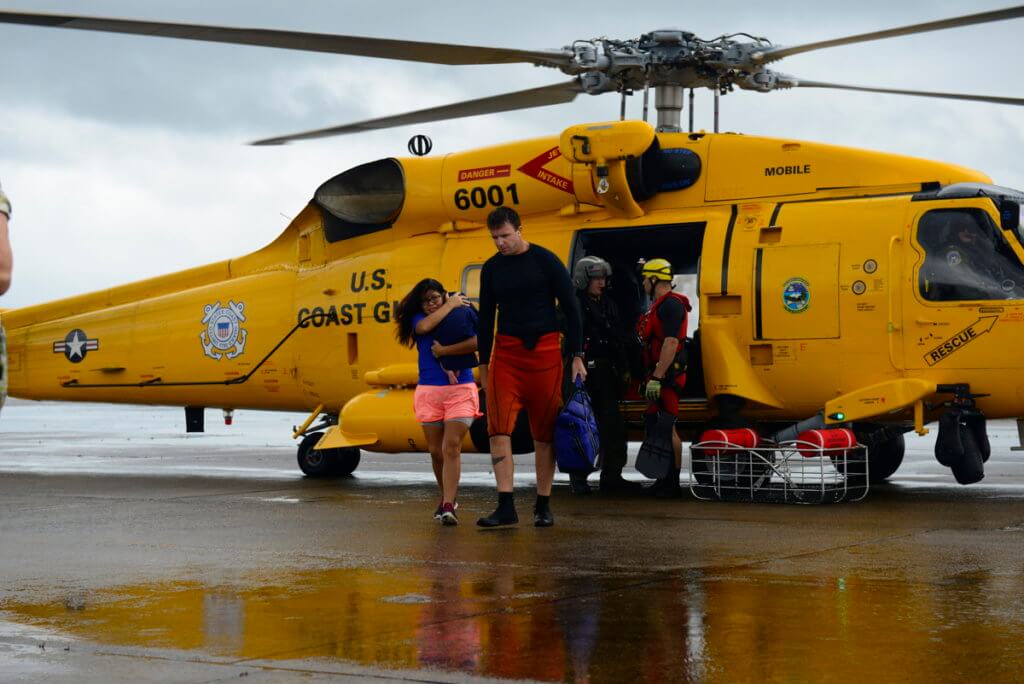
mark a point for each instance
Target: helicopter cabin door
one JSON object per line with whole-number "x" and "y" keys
{"x": 796, "y": 292}
{"x": 959, "y": 303}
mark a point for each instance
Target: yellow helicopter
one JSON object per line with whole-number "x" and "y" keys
{"x": 836, "y": 285}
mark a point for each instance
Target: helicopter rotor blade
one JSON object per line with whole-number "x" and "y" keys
{"x": 774, "y": 54}
{"x": 920, "y": 93}
{"x": 412, "y": 51}
{"x": 559, "y": 93}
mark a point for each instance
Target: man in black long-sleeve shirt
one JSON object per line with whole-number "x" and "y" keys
{"x": 519, "y": 285}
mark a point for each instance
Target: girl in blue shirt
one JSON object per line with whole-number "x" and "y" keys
{"x": 443, "y": 329}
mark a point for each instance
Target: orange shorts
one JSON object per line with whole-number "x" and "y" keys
{"x": 440, "y": 403}
{"x": 520, "y": 378}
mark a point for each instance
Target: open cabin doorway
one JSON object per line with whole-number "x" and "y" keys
{"x": 623, "y": 248}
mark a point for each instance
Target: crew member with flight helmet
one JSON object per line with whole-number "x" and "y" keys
{"x": 606, "y": 355}
{"x": 972, "y": 262}
{"x": 6, "y": 261}
{"x": 662, "y": 331}
{"x": 519, "y": 286}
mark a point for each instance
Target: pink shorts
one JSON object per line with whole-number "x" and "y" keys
{"x": 440, "y": 403}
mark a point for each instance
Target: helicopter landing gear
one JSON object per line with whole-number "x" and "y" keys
{"x": 885, "y": 459}
{"x": 315, "y": 462}
{"x": 321, "y": 463}
{"x": 886, "y": 448}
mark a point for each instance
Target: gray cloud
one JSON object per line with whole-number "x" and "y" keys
{"x": 123, "y": 154}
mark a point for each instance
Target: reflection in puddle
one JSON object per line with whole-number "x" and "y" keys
{"x": 407, "y": 598}
{"x": 518, "y": 623}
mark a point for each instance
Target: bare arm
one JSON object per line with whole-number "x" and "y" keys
{"x": 668, "y": 353}
{"x": 6, "y": 258}
{"x": 434, "y": 319}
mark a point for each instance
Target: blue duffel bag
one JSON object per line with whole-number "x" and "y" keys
{"x": 576, "y": 438}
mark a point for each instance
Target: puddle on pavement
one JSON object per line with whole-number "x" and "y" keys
{"x": 516, "y": 622}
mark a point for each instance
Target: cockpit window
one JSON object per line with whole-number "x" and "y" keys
{"x": 966, "y": 258}
{"x": 362, "y": 200}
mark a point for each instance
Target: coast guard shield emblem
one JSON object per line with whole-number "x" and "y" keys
{"x": 224, "y": 334}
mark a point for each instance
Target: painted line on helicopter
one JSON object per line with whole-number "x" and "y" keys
{"x": 758, "y": 326}
{"x": 845, "y": 198}
{"x": 778, "y": 207}
{"x": 960, "y": 340}
{"x": 726, "y": 246}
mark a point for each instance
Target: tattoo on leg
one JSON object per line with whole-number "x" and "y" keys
{"x": 495, "y": 460}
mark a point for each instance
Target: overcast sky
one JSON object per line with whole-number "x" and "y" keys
{"x": 124, "y": 156}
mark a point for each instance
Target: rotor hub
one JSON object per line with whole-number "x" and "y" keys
{"x": 670, "y": 57}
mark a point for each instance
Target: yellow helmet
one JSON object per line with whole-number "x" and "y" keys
{"x": 659, "y": 269}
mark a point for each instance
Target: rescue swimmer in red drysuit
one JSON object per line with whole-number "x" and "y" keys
{"x": 662, "y": 332}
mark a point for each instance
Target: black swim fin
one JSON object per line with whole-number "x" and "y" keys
{"x": 656, "y": 456}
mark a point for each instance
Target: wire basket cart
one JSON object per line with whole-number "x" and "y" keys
{"x": 795, "y": 471}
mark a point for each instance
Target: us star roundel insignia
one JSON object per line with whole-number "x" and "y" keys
{"x": 75, "y": 345}
{"x": 224, "y": 335}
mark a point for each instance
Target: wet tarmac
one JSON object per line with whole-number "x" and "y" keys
{"x": 132, "y": 552}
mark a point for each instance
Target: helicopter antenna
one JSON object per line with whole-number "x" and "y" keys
{"x": 691, "y": 110}
{"x": 718, "y": 91}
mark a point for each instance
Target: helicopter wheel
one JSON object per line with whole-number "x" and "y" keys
{"x": 345, "y": 461}
{"x": 884, "y": 457}
{"x": 325, "y": 462}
